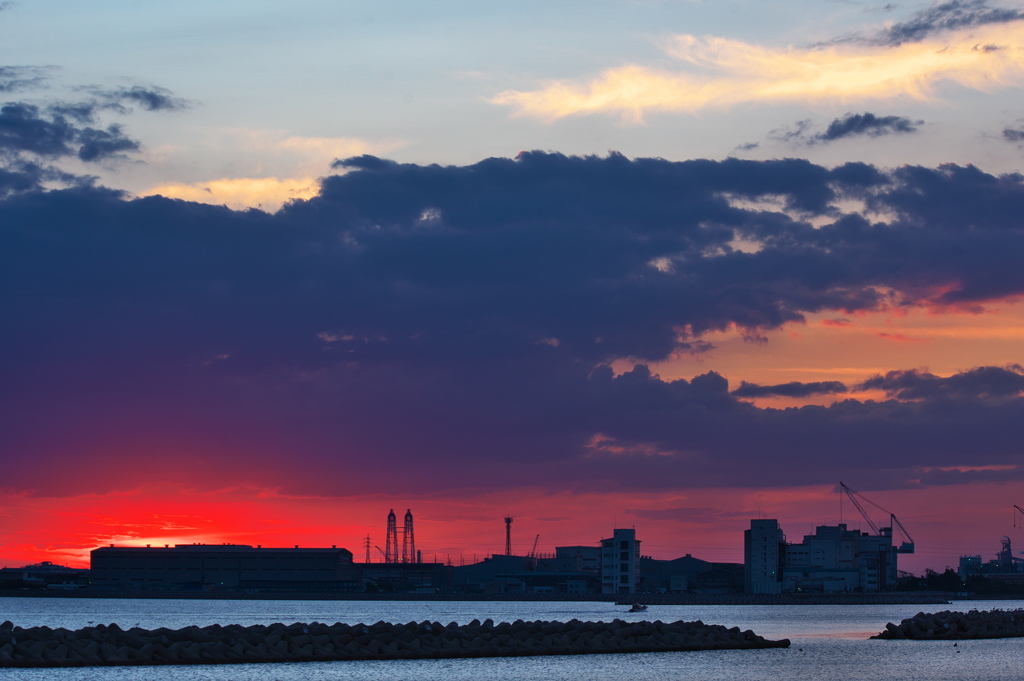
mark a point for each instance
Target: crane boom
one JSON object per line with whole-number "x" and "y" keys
{"x": 853, "y": 497}
{"x": 1017, "y": 508}
{"x": 533, "y": 554}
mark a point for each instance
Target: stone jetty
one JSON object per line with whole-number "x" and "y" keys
{"x": 947, "y": 625}
{"x": 109, "y": 645}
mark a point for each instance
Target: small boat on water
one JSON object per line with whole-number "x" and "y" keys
{"x": 638, "y": 607}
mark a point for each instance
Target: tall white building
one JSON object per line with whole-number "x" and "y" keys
{"x": 763, "y": 550}
{"x": 620, "y": 562}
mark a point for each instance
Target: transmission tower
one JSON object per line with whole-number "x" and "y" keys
{"x": 366, "y": 545}
{"x": 391, "y": 545}
{"x": 508, "y": 535}
{"x": 408, "y": 540}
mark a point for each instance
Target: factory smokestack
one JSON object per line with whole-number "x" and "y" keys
{"x": 408, "y": 540}
{"x": 391, "y": 547}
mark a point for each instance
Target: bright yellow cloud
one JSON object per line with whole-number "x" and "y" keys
{"x": 267, "y": 193}
{"x": 723, "y": 73}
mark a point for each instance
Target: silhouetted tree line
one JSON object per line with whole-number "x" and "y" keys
{"x": 950, "y": 581}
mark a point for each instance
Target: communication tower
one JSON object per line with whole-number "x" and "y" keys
{"x": 508, "y": 535}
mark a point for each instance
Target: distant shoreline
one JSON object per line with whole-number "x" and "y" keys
{"x": 894, "y": 598}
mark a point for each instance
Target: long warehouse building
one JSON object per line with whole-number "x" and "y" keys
{"x": 227, "y": 567}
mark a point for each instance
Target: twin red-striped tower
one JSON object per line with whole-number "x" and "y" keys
{"x": 408, "y": 550}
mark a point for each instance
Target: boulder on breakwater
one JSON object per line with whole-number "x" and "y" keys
{"x": 110, "y": 645}
{"x": 947, "y": 625}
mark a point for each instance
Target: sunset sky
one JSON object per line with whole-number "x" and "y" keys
{"x": 269, "y": 270}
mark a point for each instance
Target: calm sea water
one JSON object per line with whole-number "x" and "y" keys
{"x": 829, "y": 642}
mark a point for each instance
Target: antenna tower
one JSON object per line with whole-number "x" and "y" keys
{"x": 508, "y": 535}
{"x": 391, "y": 545}
{"x": 408, "y": 540}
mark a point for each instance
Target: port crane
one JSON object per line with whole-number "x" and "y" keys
{"x": 533, "y": 553}
{"x": 855, "y": 497}
{"x": 1016, "y": 509}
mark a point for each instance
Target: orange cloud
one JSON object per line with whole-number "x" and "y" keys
{"x": 724, "y": 73}
{"x": 268, "y": 193}
{"x": 899, "y": 337}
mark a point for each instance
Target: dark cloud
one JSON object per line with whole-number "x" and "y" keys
{"x": 981, "y": 382}
{"x": 953, "y": 476}
{"x": 798, "y": 134}
{"x": 19, "y": 175}
{"x": 945, "y": 16}
{"x": 1012, "y": 135}
{"x": 439, "y": 322}
{"x": 942, "y": 16}
{"x": 64, "y": 129}
{"x": 19, "y": 179}
{"x": 24, "y": 129}
{"x": 851, "y": 125}
{"x": 792, "y": 389}
{"x": 103, "y": 144}
{"x": 150, "y": 98}
{"x": 14, "y": 78}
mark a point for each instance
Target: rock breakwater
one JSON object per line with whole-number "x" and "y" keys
{"x": 232, "y": 644}
{"x": 948, "y": 625}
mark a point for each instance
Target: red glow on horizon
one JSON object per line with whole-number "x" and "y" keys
{"x": 707, "y": 524}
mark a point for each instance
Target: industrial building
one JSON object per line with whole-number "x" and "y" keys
{"x": 223, "y": 567}
{"x": 246, "y": 569}
{"x": 423, "y": 578}
{"x": 44, "y": 575}
{"x": 1005, "y": 567}
{"x": 689, "y": 575}
{"x": 500, "y": 574}
{"x": 589, "y": 557}
{"x": 613, "y": 567}
{"x": 833, "y": 559}
{"x": 836, "y": 559}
